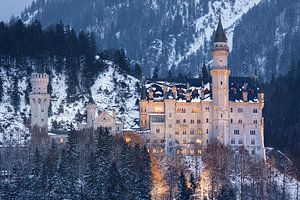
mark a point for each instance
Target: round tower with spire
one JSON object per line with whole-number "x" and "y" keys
{"x": 220, "y": 84}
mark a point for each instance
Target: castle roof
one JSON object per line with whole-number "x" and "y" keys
{"x": 162, "y": 89}
{"x": 220, "y": 35}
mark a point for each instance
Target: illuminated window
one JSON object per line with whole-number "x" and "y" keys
{"x": 199, "y": 151}
{"x": 127, "y": 139}
{"x": 195, "y": 110}
{"x": 61, "y": 140}
{"x": 158, "y": 109}
{"x": 199, "y": 141}
{"x": 154, "y": 150}
{"x": 199, "y": 132}
{"x": 192, "y": 151}
{"x": 184, "y": 151}
{"x": 180, "y": 110}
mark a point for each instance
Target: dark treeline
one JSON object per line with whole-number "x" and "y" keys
{"x": 106, "y": 169}
{"x": 282, "y": 113}
{"x": 58, "y": 48}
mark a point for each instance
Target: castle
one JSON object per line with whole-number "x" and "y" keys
{"x": 185, "y": 118}
{"x": 40, "y": 102}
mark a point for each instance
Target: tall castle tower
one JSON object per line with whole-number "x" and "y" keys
{"x": 39, "y": 102}
{"x": 220, "y": 83}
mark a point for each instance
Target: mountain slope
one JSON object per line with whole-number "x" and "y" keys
{"x": 171, "y": 35}
{"x": 267, "y": 39}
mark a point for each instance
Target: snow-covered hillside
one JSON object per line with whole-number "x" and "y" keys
{"x": 112, "y": 90}
{"x": 171, "y": 35}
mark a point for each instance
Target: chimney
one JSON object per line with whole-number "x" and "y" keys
{"x": 151, "y": 96}
{"x": 188, "y": 85}
{"x": 188, "y": 96}
{"x": 174, "y": 91}
{"x": 245, "y": 96}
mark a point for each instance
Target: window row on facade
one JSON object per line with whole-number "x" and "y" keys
{"x": 240, "y": 141}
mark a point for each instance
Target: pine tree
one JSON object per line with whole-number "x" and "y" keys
{"x": 1, "y": 89}
{"x": 15, "y": 96}
{"x": 183, "y": 191}
{"x": 155, "y": 73}
{"x": 116, "y": 188}
{"x": 138, "y": 71}
{"x": 193, "y": 184}
{"x": 91, "y": 181}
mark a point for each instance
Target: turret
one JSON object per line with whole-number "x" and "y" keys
{"x": 220, "y": 84}
{"x": 39, "y": 102}
{"x": 91, "y": 113}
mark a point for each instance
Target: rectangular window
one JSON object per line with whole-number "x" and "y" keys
{"x": 157, "y": 130}
{"x": 207, "y": 120}
{"x": 157, "y": 118}
{"x": 158, "y": 109}
{"x": 170, "y": 115}
{"x": 192, "y": 132}
{"x": 170, "y": 125}
{"x": 176, "y": 133}
{"x": 255, "y": 110}
{"x": 195, "y": 110}
{"x": 181, "y": 110}
{"x": 240, "y": 110}
{"x": 178, "y": 121}
{"x": 206, "y": 108}
{"x": 184, "y": 133}
{"x": 192, "y": 121}
{"x": 236, "y": 132}
{"x": 252, "y": 132}
{"x": 198, "y": 121}
{"x": 199, "y": 132}
{"x": 240, "y": 121}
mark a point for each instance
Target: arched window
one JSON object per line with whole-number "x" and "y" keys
{"x": 240, "y": 141}
{"x": 39, "y": 101}
{"x": 232, "y": 141}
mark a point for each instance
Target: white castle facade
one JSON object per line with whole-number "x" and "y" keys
{"x": 189, "y": 117}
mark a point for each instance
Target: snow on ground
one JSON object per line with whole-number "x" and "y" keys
{"x": 115, "y": 91}
{"x": 112, "y": 91}
{"x": 205, "y": 25}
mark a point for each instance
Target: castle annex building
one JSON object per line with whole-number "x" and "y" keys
{"x": 191, "y": 115}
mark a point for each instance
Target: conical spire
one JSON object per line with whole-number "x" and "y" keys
{"x": 220, "y": 35}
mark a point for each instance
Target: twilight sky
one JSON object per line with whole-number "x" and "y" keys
{"x": 12, "y": 7}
